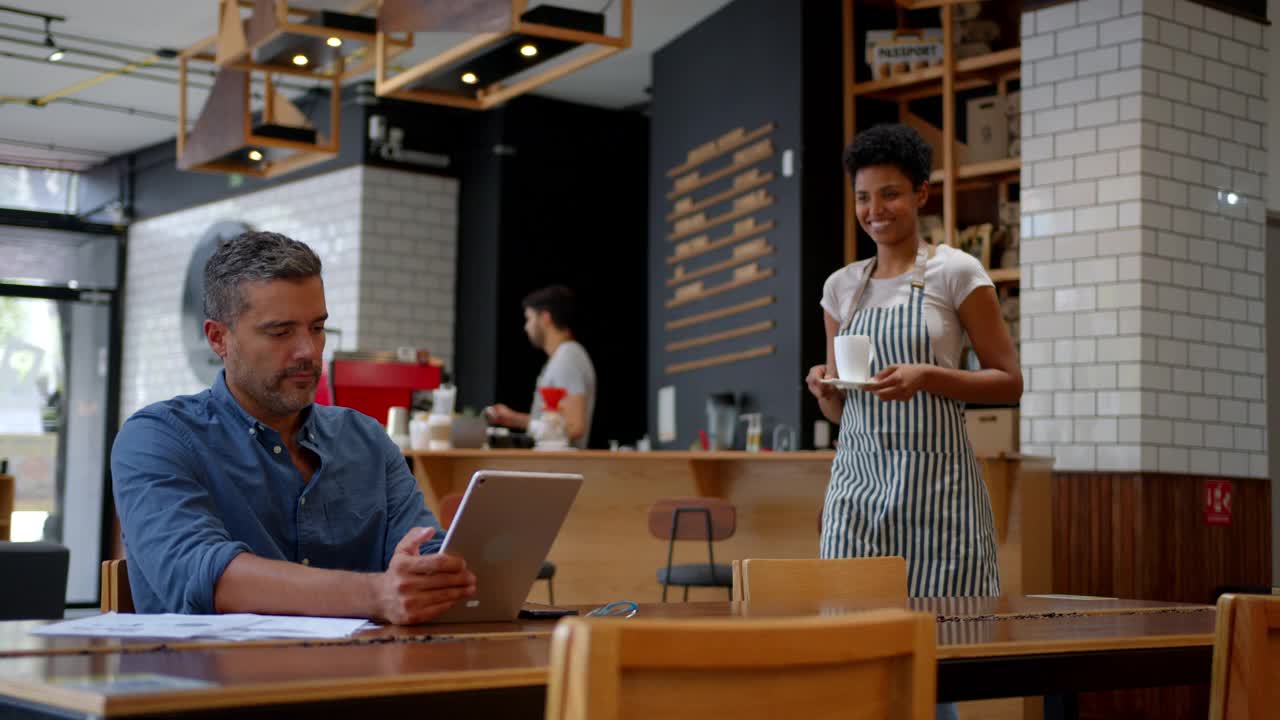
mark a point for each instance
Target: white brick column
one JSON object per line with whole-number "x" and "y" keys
{"x": 1143, "y": 222}
{"x": 387, "y": 239}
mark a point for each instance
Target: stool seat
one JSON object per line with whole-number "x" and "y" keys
{"x": 39, "y": 569}
{"x": 697, "y": 575}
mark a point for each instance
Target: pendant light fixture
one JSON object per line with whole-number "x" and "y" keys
{"x": 511, "y": 50}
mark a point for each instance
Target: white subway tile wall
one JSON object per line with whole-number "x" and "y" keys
{"x": 1143, "y": 208}
{"x": 388, "y": 241}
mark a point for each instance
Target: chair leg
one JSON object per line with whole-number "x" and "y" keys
{"x": 686, "y": 593}
{"x": 551, "y": 592}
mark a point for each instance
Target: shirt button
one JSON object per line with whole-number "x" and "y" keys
{"x": 302, "y": 501}
{"x": 311, "y": 436}
{"x": 276, "y": 449}
{"x": 306, "y": 561}
{"x": 253, "y": 431}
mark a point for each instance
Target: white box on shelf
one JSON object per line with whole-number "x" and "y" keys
{"x": 988, "y": 129}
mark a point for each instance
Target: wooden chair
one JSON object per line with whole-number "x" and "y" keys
{"x": 693, "y": 518}
{"x": 115, "y": 595}
{"x": 780, "y": 581}
{"x": 1246, "y": 658}
{"x": 449, "y": 507}
{"x": 869, "y": 665}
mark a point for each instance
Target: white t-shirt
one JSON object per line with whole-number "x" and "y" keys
{"x": 569, "y": 367}
{"x": 949, "y": 276}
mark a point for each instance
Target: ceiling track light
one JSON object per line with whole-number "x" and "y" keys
{"x": 55, "y": 53}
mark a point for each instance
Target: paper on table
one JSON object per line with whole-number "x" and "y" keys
{"x": 239, "y": 626}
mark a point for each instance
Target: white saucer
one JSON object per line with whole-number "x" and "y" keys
{"x": 848, "y": 384}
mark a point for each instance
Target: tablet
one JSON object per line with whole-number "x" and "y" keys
{"x": 504, "y": 529}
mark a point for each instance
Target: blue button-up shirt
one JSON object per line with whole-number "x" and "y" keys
{"x": 197, "y": 481}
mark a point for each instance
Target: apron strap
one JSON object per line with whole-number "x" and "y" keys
{"x": 917, "y": 281}
{"x": 922, "y": 259}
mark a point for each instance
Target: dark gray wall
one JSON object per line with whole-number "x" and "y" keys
{"x": 747, "y": 65}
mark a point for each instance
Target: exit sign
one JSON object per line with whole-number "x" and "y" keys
{"x": 1218, "y": 496}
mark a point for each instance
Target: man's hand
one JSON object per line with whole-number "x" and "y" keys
{"x": 416, "y": 588}
{"x": 500, "y": 414}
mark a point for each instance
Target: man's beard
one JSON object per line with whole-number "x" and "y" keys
{"x": 277, "y": 395}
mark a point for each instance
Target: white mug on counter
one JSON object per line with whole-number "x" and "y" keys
{"x": 853, "y": 357}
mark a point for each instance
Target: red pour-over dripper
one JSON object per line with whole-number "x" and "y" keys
{"x": 551, "y": 397}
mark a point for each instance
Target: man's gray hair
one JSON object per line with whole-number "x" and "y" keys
{"x": 249, "y": 257}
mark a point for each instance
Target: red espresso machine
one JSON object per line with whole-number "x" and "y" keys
{"x": 373, "y": 382}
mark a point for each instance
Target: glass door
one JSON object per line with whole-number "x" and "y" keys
{"x": 53, "y": 401}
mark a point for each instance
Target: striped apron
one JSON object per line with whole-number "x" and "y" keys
{"x": 905, "y": 480}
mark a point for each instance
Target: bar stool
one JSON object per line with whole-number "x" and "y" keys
{"x": 693, "y": 518}
{"x": 449, "y": 507}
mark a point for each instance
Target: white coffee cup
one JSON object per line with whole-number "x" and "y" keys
{"x": 853, "y": 357}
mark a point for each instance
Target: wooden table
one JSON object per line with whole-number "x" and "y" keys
{"x": 999, "y": 647}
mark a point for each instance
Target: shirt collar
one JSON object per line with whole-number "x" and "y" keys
{"x": 222, "y": 395}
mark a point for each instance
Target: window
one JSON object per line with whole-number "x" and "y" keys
{"x": 40, "y": 189}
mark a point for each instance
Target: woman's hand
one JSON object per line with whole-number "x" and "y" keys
{"x": 821, "y": 391}
{"x": 899, "y": 382}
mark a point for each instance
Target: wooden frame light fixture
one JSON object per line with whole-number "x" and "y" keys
{"x": 296, "y": 41}
{"x": 508, "y": 39}
{"x": 227, "y": 138}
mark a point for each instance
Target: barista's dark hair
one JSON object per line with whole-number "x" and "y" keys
{"x": 897, "y": 145}
{"x": 556, "y": 300}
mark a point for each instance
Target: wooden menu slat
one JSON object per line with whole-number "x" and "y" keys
{"x": 726, "y": 287}
{"x": 724, "y": 359}
{"x": 719, "y": 336}
{"x": 721, "y": 219}
{"x": 728, "y": 148}
{"x": 710, "y": 200}
{"x": 725, "y": 171}
{"x": 724, "y": 312}
{"x": 720, "y": 242}
{"x": 734, "y": 261}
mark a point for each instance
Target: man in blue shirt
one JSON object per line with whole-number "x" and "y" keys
{"x": 247, "y": 497}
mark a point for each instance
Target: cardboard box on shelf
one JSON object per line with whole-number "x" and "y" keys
{"x": 988, "y": 129}
{"x": 933, "y": 136}
{"x": 993, "y": 431}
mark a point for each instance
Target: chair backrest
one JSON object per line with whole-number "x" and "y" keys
{"x": 692, "y": 525}
{"x": 1246, "y": 658}
{"x": 448, "y": 508}
{"x": 880, "y": 662}
{"x": 41, "y": 592}
{"x": 780, "y": 581}
{"x": 6, "y": 505}
{"x": 115, "y": 596}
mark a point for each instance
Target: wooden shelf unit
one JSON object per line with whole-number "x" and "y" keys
{"x": 760, "y": 181}
{"x": 1002, "y": 276}
{"x": 730, "y": 169}
{"x": 722, "y": 241}
{"x": 740, "y": 142}
{"x": 942, "y": 81}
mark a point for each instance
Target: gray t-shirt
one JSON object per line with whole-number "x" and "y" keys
{"x": 569, "y": 367}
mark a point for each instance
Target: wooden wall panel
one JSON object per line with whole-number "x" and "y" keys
{"x": 1144, "y": 536}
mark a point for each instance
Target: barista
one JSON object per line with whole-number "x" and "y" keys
{"x": 548, "y": 319}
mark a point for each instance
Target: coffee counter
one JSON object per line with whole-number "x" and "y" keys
{"x": 605, "y": 552}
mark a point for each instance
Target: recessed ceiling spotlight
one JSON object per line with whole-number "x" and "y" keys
{"x": 528, "y": 50}
{"x": 470, "y": 78}
{"x": 255, "y": 155}
{"x": 56, "y": 55}
{"x": 334, "y": 42}
{"x": 300, "y": 60}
